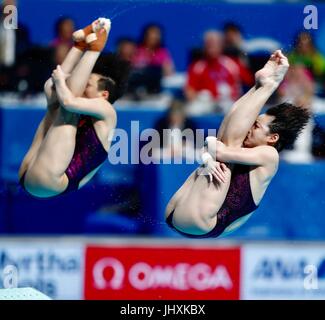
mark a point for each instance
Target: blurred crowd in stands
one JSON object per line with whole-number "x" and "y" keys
{"x": 218, "y": 73}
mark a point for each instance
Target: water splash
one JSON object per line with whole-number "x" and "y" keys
{"x": 134, "y": 4}
{"x": 126, "y": 6}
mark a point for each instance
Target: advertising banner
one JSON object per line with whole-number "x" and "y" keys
{"x": 54, "y": 268}
{"x": 282, "y": 271}
{"x": 146, "y": 272}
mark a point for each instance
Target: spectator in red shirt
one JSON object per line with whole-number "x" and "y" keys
{"x": 216, "y": 75}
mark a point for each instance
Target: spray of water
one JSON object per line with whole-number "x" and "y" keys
{"x": 124, "y": 7}
{"x": 133, "y": 4}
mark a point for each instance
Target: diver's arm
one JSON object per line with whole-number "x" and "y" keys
{"x": 258, "y": 156}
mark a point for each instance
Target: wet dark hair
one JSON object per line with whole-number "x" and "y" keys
{"x": 288, "y": 123}
{"x": 114, "y": 74}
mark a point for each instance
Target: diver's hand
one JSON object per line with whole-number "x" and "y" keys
{"x": 58, "y": 75}
{"x": 215, "y": 170}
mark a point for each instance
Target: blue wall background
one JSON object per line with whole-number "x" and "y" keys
{"x": 183, "y": 21}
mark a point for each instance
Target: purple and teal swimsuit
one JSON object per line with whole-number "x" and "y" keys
{"x": 89, "y": 154}
{"x": 239, "y": 202}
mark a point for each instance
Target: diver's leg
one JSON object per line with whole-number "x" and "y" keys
{"x": 73, "y": 57}
{"x": 78, "y": 80}
{"x": 180, "y": 193}
{"x": 245, "y": 113}
{"x": 238, "y": 104}
{"x": 37, "y": 140}
{"x": 45, "y": 176}
{"x": 68, "y": 64}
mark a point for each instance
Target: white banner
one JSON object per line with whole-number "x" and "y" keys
{"x": 54, "y": 268}
{"x": 275, "y": 271}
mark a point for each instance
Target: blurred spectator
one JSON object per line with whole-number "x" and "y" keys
{"x": 60, "y": 52}
{"x": 298, "y": 87}
{"x": 151, "y": 51}
{"x": 34, "y": 65}
{"x": 306, "y": 53}
{"x": 213, "y": 82}
{"x": 150, "y": 63}
{"x": 64, "y": 28}
{"x": 126, "y": 48}
{"x": 173, "y": 143}
{"x": 233, "y": 48}
{"x": 233, "y": 41}
{"x": 32, "y": 70}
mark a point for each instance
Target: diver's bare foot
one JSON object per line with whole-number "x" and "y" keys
{"x": 97, "y": 40}
{"x": 274, "y": 70}
{"x": 79, "y": 37}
